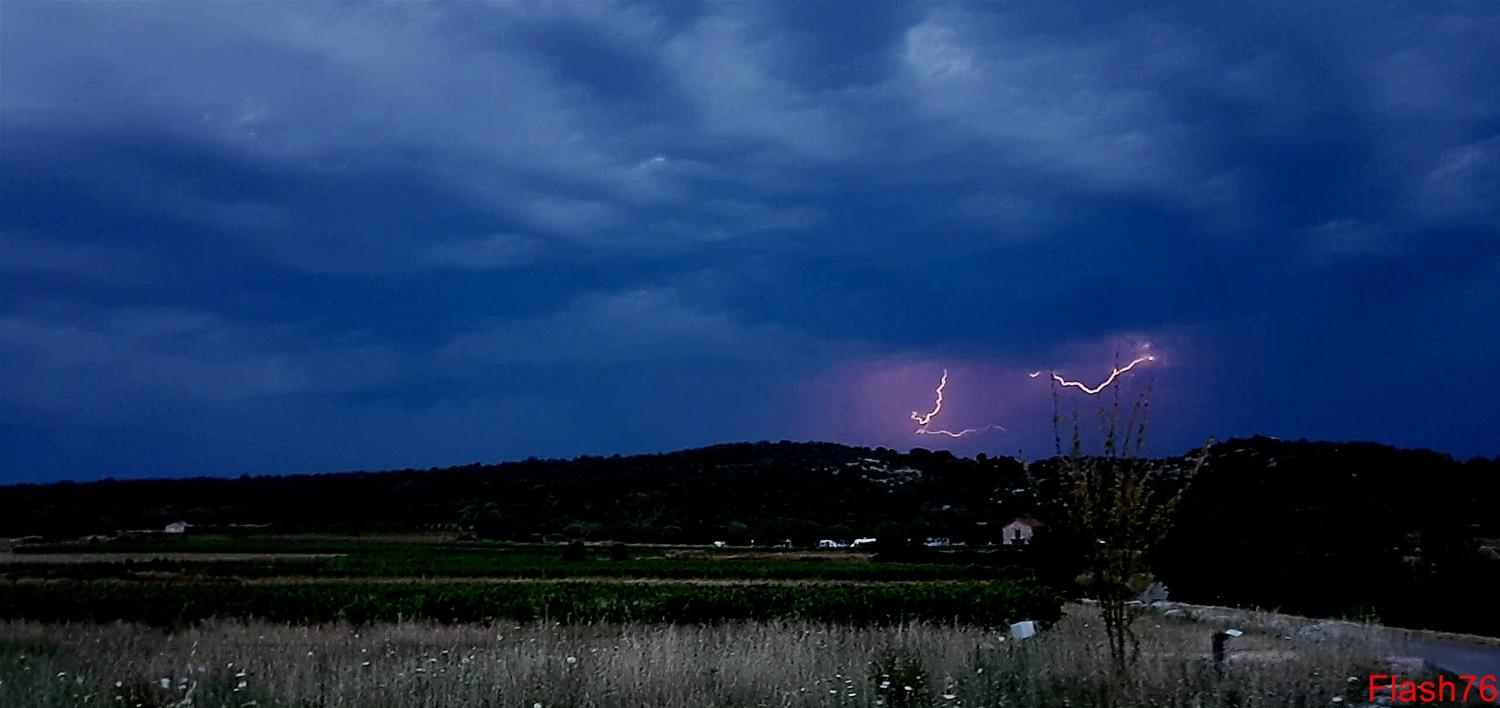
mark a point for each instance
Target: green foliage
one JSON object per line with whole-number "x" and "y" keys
{"x": 579, "y": 530}
{"x": 899, "y": 679}
{"x": 737, "y": 533}
{"x": 1353, "y": 527}
{"x": 1118, "y": 504}
{"x": 382, "y": 558}
{"x": 575, "y": 552}
{"x": 485, "y": 520}
{"x": 1371, "y": 513}
{"x": 171, "y": 604}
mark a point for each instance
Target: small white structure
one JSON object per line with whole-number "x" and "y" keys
{"x": 939, "y": 542}
{"x": 1019, "y": 532}
{"x": 719, "y": 544}
{"x": 829, "y": 543}
{"x": 1023, "y": 630}
{"x": 177, "y": 527}
{"x": 863, "y": 542}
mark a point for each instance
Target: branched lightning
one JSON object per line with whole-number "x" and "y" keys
{"x": 1094, "y": 390}
{"x": 936, "y": 408}
{"x": 923, "y": 419}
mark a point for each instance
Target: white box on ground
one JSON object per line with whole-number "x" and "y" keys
{"x": 1022, "y": 630}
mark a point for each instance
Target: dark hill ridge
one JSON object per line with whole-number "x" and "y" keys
{"x": 1350, "y": 529}
{"x": 777, "y": 490}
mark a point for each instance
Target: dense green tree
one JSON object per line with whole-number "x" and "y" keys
{"x": 737, "y": 533}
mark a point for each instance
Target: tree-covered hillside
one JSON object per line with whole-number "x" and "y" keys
{"x": 1321, "y": 528}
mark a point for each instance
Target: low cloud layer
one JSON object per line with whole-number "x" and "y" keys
{"x": 439, "y": 232}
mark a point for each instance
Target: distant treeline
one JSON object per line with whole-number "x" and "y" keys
{"x": 1318, "y": 528}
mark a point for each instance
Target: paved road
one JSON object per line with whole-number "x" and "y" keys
{"x": 1456, "y": 657}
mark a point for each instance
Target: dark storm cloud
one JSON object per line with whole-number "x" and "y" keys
{"x": 277, "y": 237}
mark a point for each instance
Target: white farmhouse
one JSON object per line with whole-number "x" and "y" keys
{"x": 1019, "y": 532}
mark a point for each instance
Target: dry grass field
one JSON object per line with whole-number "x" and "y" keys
{"x": 730, "y": 664}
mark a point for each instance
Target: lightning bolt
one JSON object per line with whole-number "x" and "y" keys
{"x": 936, "y": 408}
{"x": 961, "y": 433}
{"x": 1094, "y": 390}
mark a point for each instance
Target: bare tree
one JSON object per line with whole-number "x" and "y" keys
{"x": 1121, "y": 505}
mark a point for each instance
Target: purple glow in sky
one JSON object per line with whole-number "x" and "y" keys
{"x": 299, "y": 237}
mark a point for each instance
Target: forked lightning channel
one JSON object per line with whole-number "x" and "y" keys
{"x": 937, "y": 407}
{"x": 923, "y": 419}
{"x": 1094, "y": 390}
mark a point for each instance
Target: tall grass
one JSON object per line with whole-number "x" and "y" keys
{"x": 749, "y": 664}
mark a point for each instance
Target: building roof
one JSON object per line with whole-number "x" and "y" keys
{"x": 1028, "y": 523}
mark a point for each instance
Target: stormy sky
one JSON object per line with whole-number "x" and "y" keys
{"x": 264, "y": 238}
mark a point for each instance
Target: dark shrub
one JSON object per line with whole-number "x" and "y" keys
{"x": 575, "y": 551}
{"x": 899, "y": 550}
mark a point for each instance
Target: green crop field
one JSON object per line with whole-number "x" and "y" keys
{"x": 176, "y": 581}
{"x": 386, "y": 558}
{"x": 180, "y": 603}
